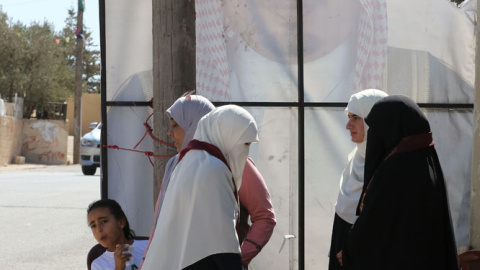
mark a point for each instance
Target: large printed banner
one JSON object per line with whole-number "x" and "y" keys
{"x": 247, "y": 51}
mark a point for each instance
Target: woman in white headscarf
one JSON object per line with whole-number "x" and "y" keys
{"x": 196, "y": 227}
{"x": 351, "y": 181}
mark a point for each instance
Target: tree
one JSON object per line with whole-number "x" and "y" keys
{"x": 12, "y": 44}
{"x": 91, "y": 56}
{"x": 38, "y": 64}
{"x": 31, "y": 64}
{"x": 92, "y": 70}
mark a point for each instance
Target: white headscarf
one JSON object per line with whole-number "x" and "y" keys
{"x": 351, "y": 181}
{"x": 229, "y": 128}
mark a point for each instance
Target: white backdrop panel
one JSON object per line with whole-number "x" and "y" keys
{"x": 128, "y": 37}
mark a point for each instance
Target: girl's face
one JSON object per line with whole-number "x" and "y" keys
{"x": 176, "y": 133}
{"x": 106, "y": 229}
{"x": 356, "y": 128}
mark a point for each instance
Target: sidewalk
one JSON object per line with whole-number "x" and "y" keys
{"x": 18, "y": 167}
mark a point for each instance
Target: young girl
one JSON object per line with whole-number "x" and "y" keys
{"x": 111, "y": 229}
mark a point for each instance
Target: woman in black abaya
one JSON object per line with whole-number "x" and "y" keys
{"x": 404, "y": 220}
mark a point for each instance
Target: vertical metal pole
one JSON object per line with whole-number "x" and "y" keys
{"x": 475, "y": 200}
{"x": 103, "y": 139}
{"x": 77, "y": 113}
{"x": 301, "y": 142}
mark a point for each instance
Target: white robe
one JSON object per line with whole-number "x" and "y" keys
{"x": 189, "y": 229}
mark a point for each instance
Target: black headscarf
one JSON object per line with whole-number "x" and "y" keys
{"x": 405, "y": 222}
{"x": 391, "y": 119}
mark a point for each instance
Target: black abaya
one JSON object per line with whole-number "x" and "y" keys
{"x": 405, "y": 221}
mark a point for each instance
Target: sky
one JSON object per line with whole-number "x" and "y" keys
{"x": 53, "y": 11}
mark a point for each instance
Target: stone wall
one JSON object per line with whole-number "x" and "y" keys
{"x": 10, "y": 139}
{"x": 38, "y": 141}
{"x": 45, "y": 141}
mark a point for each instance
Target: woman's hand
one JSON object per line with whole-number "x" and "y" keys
{"x": 340, "y": 258}
{"x": 121, "y": 256}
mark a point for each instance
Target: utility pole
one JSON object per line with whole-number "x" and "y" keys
{"x": 173, "y": 69}
{"x": 77, "y": 112}
{"x": 475, "y": 196}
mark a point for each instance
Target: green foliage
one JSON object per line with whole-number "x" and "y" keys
{"x": 91, "y": 56}
{"x": 39, "y": 65}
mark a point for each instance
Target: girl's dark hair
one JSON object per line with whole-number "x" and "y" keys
{"x": 116, "y": 211}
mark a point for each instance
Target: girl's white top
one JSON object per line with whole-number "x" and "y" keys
{"x": 106, "y": 261}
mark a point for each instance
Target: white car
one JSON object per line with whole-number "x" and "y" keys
{"x": 90, "y": 149}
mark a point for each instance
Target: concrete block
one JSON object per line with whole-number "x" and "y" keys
{"x": 19, "y": 160}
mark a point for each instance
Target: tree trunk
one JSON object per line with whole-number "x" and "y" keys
{"x": 173, "y": 69}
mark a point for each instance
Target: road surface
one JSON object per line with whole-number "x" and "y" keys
{"x": 43, "y": 216}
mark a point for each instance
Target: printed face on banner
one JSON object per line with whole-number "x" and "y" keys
{"x": 261, "y": 23}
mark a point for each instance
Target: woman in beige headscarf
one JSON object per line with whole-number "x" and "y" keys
{"x": 196, "y": 227}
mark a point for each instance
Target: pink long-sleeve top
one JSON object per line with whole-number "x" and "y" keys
{"x": 255, "y": 198}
